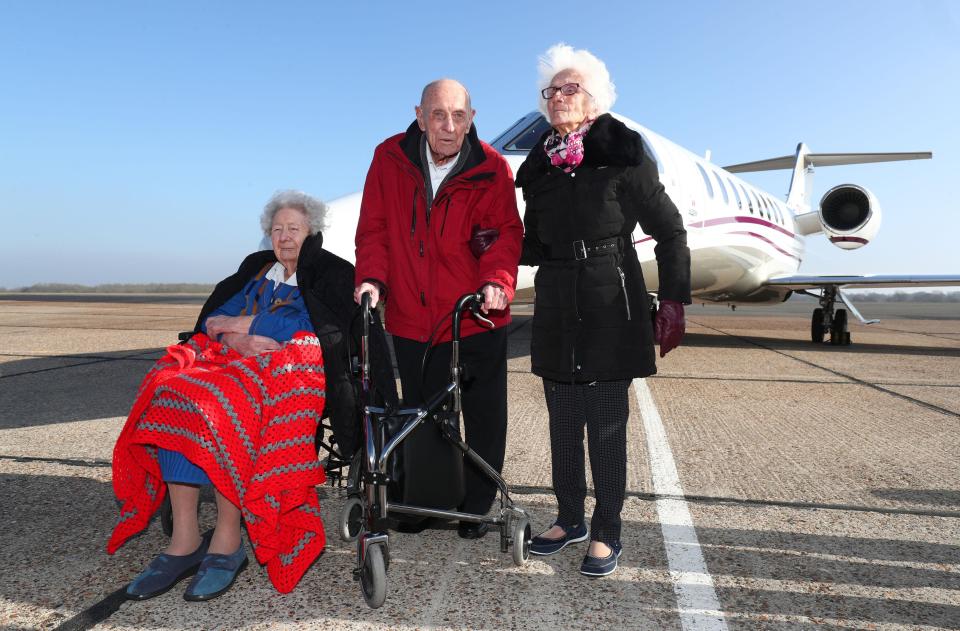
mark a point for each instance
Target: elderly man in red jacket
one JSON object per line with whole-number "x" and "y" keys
{"x": 431, "y": 196}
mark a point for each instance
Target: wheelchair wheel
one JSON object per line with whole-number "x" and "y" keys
{"x": 520, "y": 547}
{"x": 373, "y": 577}
{"x": 351, "y": 519}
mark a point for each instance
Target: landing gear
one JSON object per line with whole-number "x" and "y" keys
{"x": 839, "y": 335}
{"x": 825, "y": 319}
{"x": 816, "y": 326}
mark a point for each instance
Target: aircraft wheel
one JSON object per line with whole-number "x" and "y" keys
{"x": 373, "y": 577}
{"x": 839, "y": 336}
{"x": 816, "y": 326}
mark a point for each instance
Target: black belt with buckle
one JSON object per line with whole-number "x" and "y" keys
{"x": 580, "y": 250}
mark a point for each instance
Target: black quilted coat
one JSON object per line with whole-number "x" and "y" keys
{"x": 592, "y": 320}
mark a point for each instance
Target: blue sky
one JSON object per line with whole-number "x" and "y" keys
{"x": 139, "y": 141}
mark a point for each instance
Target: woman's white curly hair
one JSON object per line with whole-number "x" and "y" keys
{"x": 596, "y": 78}
{"x": 313, "y": 208}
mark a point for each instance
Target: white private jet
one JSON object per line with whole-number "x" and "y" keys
{"x": 745, "y": 245}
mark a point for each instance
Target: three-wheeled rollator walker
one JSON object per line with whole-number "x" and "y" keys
{"x": 368, "y": 512}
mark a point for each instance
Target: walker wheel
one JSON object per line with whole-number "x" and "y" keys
{"x": 521, "y": 541}
{"x": 373, "y": 577}
{"x": 351, "y": 519}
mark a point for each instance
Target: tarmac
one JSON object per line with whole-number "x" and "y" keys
{"x": 772, "y": 484}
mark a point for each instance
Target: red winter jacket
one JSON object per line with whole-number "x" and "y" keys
{"x": 424, "y": 261}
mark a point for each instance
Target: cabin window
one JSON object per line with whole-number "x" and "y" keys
{"x": 733, "y": 187}
{"x": 706, "y": 180}
{"x": 760, "y": 209}
{"x": 747, "y": 197}
{"x": 723, "y": 189}
{"x": 776, "y": 211}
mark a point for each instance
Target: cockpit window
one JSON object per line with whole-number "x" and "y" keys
{"x": 528, "y": 136}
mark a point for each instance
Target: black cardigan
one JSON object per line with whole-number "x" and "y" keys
{"x": 326, "y": 283}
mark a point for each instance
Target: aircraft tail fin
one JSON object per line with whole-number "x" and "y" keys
{"x": 802, "y": 163}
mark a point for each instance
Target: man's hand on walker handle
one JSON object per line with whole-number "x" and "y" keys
{"x": 669, "y": 325}
{"x": 493, "y": 298}
{"x": 370, "y": 288}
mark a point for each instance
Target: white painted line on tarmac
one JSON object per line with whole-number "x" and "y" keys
{"x": 693, "y": 586}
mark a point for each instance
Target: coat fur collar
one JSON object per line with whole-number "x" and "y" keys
{"x": 608, "y": 143}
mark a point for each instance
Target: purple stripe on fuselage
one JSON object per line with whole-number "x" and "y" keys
{"x": 739, "y": 219}
{"x": 766, "y": 240}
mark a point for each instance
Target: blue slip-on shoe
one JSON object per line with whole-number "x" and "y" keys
{"x": 167, "y": 570}
{"x": 601, "y": 566}
{"x": 544, "y": 547}
{"x": 216, "y": 575}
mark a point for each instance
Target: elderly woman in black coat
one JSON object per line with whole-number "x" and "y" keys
{"x": 587, "y": 185}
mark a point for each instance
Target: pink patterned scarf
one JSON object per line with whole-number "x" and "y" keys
{"x": 566, "y": 152}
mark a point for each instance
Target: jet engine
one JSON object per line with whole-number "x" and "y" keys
{"x": 849, "y": 215}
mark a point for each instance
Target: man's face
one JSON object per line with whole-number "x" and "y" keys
{"x": 445, "y": 117}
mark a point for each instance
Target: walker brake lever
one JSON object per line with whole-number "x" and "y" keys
{"x": 475, "y": 310}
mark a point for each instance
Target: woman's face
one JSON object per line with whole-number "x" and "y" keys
{"x": 289, "y": 230}
{"x": 568, "y": 112}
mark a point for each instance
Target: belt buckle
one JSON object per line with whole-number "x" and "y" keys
{"x": 579, "y": 250}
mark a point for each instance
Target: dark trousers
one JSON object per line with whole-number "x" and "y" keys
{"x": 603, "y": 407}
{"x": 484, "y": 357}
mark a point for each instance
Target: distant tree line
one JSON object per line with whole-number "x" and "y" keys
{"x": 116, "y": 288}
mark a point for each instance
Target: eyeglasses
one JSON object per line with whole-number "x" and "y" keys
{"x": 567, "y": 89}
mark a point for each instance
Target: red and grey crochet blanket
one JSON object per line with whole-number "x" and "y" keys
{"x": 249, "y": 423}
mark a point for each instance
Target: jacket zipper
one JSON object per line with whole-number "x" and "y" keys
{"x": 623, "y": 285}
{"x": 446, "y": 211}
{"x": 413, "y": 215}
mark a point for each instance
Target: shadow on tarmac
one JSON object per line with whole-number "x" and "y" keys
{"x": 930, "y": 497}
{"x": 728, "y": 340}
{"x": 68, "y": 388}
{"x": 55, "y": 560}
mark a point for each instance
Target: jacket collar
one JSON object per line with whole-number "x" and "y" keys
{"x": 410, "y": 145}
{"x": 608, "y": 143}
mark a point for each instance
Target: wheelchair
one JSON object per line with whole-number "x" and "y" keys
{"x": 369, "y": 511}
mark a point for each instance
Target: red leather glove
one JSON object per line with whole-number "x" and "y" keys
{"x": 669, "y": 325}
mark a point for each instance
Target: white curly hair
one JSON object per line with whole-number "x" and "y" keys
{"x": 596, "y": 77}
{"x": 313, "y": 208}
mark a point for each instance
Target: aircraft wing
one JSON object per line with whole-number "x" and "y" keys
{"x": 801, "y": 281}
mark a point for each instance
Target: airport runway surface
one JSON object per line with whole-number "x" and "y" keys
{"x": 772, "y": 484}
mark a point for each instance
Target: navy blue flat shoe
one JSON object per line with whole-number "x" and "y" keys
{"x": 165, "y": 571}
{"x": 216, "y": 575}
{"x": 602, "y": 566}
{"x": 544, "y": 547}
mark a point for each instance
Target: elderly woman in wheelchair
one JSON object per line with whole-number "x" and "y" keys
{"x": 238, "y": 405}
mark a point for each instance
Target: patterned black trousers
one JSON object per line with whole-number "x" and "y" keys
{"x": 601, "y": 406}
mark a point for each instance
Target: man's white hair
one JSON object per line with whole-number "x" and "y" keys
{"x": 596, "y": 78}
{"x": 314, "y": 210}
